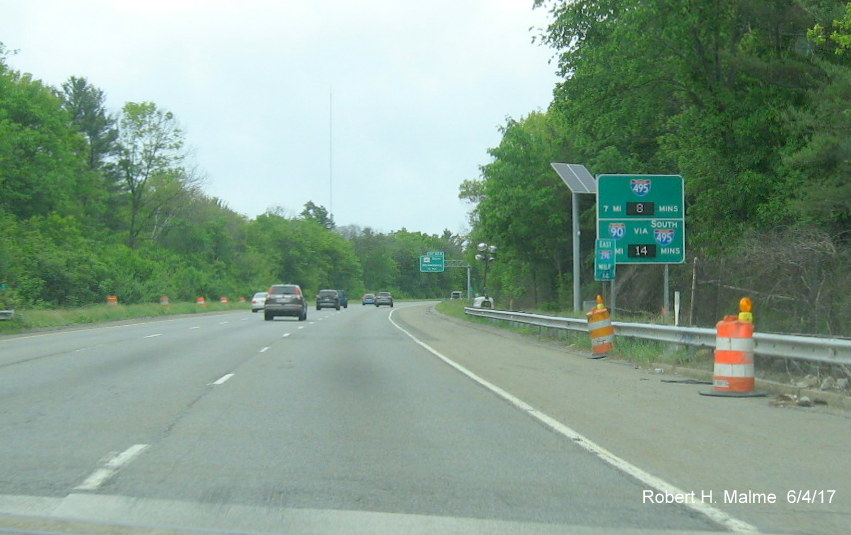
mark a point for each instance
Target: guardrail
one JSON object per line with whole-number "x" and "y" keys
{"x": 812, "y": 348}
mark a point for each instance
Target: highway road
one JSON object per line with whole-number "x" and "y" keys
{"x": 350, "y": 422}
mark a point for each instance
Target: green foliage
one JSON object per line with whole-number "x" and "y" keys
{"x": 151, "y": 166}
{"x": 86, "y": 106}
{"x": 839, "y": 38}
{"x": 319, "y": 214}
{"x": 523, "y": 207}
{"x": 42, "y": 161}
{"x": 730, "y": 94}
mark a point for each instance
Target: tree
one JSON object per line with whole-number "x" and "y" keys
{"x": 373, "y": 252}
{"x": 840, "y": 37}
{"x": 151, "y": 164}
{"x": 303, "y": 252}
{"x": 313, "y": 212}
{"x": 87, "y": 106}
{"x": 523, "y": 207}
{"x": 817, "y": 160}
{"x": 41, "y": 165}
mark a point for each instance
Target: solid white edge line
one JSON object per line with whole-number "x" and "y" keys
{"x": 733, "y": 524}
{"x": 223, "y": 379}
{"x": 101, "y": 475}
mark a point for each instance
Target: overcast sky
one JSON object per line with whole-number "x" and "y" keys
{"x": 376, "y": 109}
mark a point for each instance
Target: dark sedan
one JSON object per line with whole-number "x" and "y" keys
{"x": 327, "y": 299}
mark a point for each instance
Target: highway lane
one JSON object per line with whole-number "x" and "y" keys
{"x": 231, "y": 422}
{"x": 68, "y": 398}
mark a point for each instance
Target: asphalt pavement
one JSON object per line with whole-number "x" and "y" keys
{"x": 364, "y": 420}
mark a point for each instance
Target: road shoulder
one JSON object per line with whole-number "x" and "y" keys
{"x": 729, "y": 450}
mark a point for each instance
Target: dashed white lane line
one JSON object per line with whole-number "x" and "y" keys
{"x": 732, "y": 524}
{"x": 285, "y": 335}
{"x": 110, "y": 467}
{"x": 195, "y": 327}
{"x": 153, "y": 335}
{"x": 265, "y": 349}
{"x": 223, "y": 379}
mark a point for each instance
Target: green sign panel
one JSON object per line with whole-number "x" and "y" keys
{"x": 604, "y": 260}
{"x": 644, "y": 215}
{"x": 433, "y": 262}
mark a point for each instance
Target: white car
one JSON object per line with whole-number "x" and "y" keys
{"x": 483, "y": 302}
{"x": 258, "y": 302}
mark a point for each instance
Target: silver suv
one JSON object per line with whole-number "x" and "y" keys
{"x": 384, "y": 298}
{"x": 285, "y": 300}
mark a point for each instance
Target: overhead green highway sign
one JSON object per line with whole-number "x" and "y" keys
{"x": 433, "y": 262}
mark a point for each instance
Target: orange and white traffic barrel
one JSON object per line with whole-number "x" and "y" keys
{"x": 734, "y": 347}
{"x": 164, "y": 301}
{"x": 223, "y": 300}
{"x": 601, "y": 330}
{"x": 111, "y": 299}
{"x": 201, "y": 301}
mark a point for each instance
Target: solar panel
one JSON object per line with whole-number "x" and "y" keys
{"x": 576, "y": 177}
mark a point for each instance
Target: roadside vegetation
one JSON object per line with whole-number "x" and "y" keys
{"x": 748, "y": 101}
{"x": 34, "y": 319}
{"x": 117, "y": 209}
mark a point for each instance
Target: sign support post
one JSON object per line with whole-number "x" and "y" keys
{"x": 577, "y": 178}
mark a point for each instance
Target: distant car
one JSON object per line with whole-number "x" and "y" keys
{"x": 384, "y": 298}
{"x": 285, "y": 300}
{"x": 344, "y": 299}
{"x": 367, "y": 299}
{"x": 258, "y": 301}
{"x": 327, "y": 299}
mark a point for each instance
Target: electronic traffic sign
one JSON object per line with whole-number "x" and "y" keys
{"x": 644, "y": 215}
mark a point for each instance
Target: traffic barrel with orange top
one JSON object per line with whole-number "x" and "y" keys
{"x": 734, "y": 347}
{"x": 601, "y": 330}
